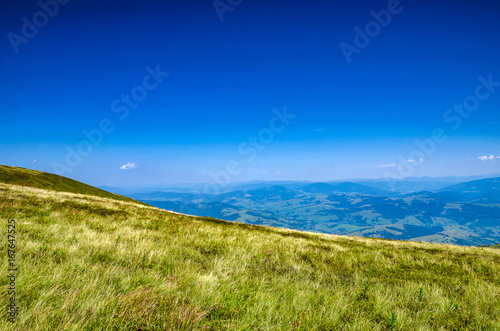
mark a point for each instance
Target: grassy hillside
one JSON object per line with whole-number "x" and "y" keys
{"x": 45, "y": 180}
{"x": 93, "y": 263}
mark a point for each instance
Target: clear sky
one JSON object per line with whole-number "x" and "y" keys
{"x": 142, "y": 92}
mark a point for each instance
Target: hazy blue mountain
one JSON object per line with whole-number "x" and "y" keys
{"x": 322, "y": 188}
{"x": 344, "y": 187}
{"x": 406, "y": 185}
{"x": 273, "y": 192}
{"x": 484, "y": 187}
{"x": 416, "y": 184}
{"x": 478, "y": 191}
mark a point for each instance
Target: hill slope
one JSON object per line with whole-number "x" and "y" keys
{"x": 45, "y": 180}
{"x": 343, "y": 187}
{"x": 481, "y": 191}
{"x": 93, "y": 263}
{"x": 482, "y": 186}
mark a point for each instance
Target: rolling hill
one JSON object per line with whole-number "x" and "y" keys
{"x": 88, "y": 262}
{"x": 479, "y": 191}
{"x": 45, "y": 180}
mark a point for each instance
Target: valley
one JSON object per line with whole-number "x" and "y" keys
{"x": 466, "y": 213}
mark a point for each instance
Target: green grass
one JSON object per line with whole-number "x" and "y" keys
{"x": 39, "y": 179}
{"x": 92, "y": 263}
{"x": 493, "y": 246}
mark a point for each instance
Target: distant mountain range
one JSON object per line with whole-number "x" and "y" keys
{"x": 344, "y": 187}
{"x": 406, "y": 185}
{"x": 443, "y": 210}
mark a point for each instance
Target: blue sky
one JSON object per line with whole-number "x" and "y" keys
{"x": 353, "y": 117}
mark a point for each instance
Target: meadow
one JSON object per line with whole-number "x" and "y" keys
{"x": 89, "y": 262}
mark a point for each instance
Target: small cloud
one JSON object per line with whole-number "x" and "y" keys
{"x": 34, "y": 161}
{"x": 129, "y": 166}
{"x": 387, "y": 165}
{"x": 413, "y": 161}
{"x": 486, "y": 158}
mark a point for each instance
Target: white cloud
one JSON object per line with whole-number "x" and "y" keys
{"x": 387, "y": 165}
{"x": 129, "y": 166}
{"x": 34, "y": 161}
{"x": 319, "y": 130}
{"x": 486, "y": 158}
{"x": 413, "y": 161}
